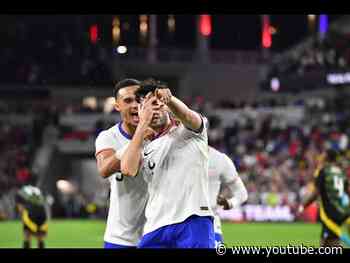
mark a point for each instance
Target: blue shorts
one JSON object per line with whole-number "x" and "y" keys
{"x": 218, "y": 239}
{"x": 194, "y": 232}
{"x": 108, "y": 245}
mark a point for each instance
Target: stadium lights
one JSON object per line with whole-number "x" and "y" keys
{"x": 266, "y": 32}
{"x": 122, "y": 49}
{"x": 109, "y": 105}
{"x": 65, "y": 186}
{"x": 116, "y": 29}
{"x": 171, "y": 23}
{"x": 90, "y": 102}
{"x": 275, "y": 84}
{"x": 338, "y": 78}
{"x": 311, "y": 17}
{"x": 93, "y": 33}
{"x": 205, "y": 25}
{"x": 323, "y": 25}
{"x": 311, "y": 22}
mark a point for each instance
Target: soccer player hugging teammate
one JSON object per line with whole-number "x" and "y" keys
{"x": 173, "y": 158}
{"x": 128, "y": 195}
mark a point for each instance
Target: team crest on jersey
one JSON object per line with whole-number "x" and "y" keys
{"x": 150, "y": 167}
{"x": 151, "y": 164}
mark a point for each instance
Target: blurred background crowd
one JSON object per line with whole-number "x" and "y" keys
{"x": 270, "y": 102}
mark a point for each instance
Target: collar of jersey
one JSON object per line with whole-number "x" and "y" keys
{"x": 167, "y": 129}
{"x": 124, "y": 133}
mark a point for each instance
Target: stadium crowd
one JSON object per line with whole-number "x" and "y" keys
{"x": 276, "y": 159}
{"x": 14, "y": 150}
{"x": 330, "y": 53}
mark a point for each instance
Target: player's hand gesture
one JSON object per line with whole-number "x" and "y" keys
{"x": 164, "y": 95}
{"x": 223, "y": 202}
{"x": 146, "y": 110}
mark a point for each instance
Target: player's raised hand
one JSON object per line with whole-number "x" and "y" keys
{"x": 146, "y": 110}
{"x": 164, "y": 95}
{"x": 223, "y": 202}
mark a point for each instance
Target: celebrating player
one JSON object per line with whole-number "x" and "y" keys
{"x": 128, "y": 195}
{"x": 175, "y": 166}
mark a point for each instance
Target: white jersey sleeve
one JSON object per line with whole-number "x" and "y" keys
{"x": 237, "y": 193}
{"x": 228, "y": 170}
{"x": 128, "y": 195}
{"x": 222, "y": 174}
{"x": 202, "y": 133}
{"x": 103, "y": 142}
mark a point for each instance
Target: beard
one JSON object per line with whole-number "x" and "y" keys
{"x": 159, "y": 122}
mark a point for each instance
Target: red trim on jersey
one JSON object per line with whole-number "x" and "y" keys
{"x": 166, "y": 129}
{"x": 103, "y": 151}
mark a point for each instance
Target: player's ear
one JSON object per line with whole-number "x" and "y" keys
{"x": 117, "y": 105}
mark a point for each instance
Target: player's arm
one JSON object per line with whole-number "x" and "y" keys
{"x": 107, "y": 163}
{"x": 190, "y": 119}
{"x": 20, "y": 208}
{"x": 132, "y": 156}
{"x": 236, "y": 193}
{"x": 314, "y": 194}
{"x": 309, "y": 200}
{"x": 239, "y": 195}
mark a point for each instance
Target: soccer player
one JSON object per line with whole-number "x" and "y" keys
{"x": 175, "y": 166}
{"x": 31, "y": 205}
{"x": 127, "y": 194}
{"x": 226, "y": 188}
{"x": 332, "y": 186}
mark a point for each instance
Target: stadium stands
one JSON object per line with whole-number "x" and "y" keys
{"x": 275, "y": 144}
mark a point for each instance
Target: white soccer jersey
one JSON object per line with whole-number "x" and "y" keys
{"x": 175, "y": 167}
{"x": 128, "y": 195}
{"x": 221, "y": 170}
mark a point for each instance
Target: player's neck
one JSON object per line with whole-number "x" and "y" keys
{"x": 129, "y": 129}
{"x": 165, "y": 128}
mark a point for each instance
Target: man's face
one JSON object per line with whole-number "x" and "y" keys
{"x": 127, "y": 105}
{"x": 159, "y": 118}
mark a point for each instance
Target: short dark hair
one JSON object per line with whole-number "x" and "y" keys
{"x": 148, "y": 85}
{"x": 124, "y": 83}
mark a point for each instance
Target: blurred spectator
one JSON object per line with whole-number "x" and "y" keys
{"x": 331, "y": 54}
{"x": 23, "y": 175}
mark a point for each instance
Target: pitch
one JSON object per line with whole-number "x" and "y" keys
{"x": 89, "y": 234}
